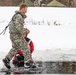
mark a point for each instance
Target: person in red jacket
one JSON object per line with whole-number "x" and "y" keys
{"x": 31, "y": 45}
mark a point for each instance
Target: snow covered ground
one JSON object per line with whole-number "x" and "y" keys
{"x": 52, "y": 42}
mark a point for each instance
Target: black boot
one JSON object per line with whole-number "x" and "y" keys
{"x": 30, "y": 64}
{"x": 6, "y": 62}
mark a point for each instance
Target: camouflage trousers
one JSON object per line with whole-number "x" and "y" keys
{"x": 19, "y": 43}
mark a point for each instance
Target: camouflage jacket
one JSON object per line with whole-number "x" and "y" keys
{"x": 16, "y": 25}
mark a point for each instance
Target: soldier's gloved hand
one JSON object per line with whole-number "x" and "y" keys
{"x": 27, "y": 31}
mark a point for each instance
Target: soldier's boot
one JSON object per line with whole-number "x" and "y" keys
{"x": 6, "y": 62}
{"x": 30, "y": 64}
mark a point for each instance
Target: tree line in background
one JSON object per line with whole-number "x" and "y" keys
{"x": 67, "y": 3}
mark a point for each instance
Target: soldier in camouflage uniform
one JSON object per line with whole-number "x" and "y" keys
{"x": 17, "y": 34}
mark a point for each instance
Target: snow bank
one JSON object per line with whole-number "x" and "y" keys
{"x": 43, "y": 36}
